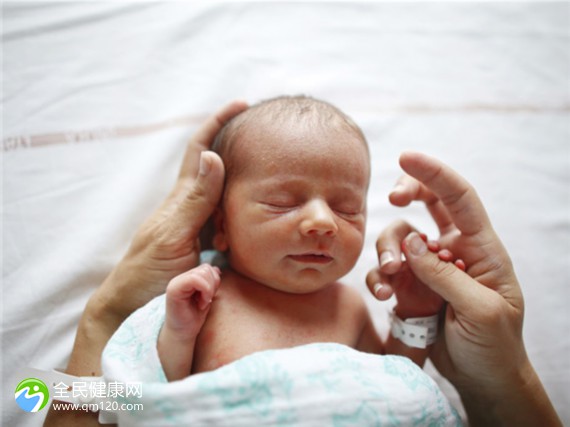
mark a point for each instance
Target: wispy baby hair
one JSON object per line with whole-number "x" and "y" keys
{"x": 299, "y": 110}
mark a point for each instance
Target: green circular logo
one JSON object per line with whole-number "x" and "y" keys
{"x": 31, "y": 395}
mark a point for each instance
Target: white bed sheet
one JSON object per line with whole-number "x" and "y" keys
{"x": 99, "y": 99}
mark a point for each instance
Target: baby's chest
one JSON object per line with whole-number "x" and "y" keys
{"x": 232, "y": 331}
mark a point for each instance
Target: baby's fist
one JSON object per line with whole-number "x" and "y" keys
{"x": 188, "y": 299}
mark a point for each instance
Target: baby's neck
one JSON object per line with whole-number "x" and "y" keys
{"x": 248, "y": 316}
{"x": 246, "y": 288}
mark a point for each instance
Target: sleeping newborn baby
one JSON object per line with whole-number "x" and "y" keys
{"x": 290, "y": 224}
{"x": 273, "y": 338}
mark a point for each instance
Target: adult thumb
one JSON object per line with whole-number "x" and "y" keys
{"x": 204, "y": 194}
{"x": 444, "y": 278}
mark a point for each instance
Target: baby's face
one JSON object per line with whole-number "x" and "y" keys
{"x": 294, "y": 218}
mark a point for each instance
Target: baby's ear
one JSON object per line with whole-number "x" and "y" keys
{"x": 219, "y": 241}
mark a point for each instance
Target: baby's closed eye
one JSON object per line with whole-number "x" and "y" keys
{"x": 279, "y": 199}
{"x": 352, "y": 206}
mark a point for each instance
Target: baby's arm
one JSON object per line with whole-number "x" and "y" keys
{"x": 393, "y": 345}
{"x": 188, "y": 298}
{"x": 414, "y": 299}
{"x": 370, "y": 342}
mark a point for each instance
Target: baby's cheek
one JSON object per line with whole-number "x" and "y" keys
{"x": 354, "y": 242}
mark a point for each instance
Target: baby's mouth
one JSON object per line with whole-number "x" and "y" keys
{"x": 312, "y": 258}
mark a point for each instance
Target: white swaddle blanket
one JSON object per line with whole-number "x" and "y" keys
{"x": 312, "y": 385}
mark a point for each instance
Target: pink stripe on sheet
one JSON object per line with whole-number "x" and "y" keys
{"x": 93, "y": 135}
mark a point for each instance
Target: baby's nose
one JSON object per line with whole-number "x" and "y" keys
{"x": 318, "y": 219}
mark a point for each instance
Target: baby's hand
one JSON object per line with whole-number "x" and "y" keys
{"x": 188, "y": 301}
{"x": 414, "y": 298}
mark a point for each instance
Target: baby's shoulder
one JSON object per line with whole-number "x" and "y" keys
{"x": 348, "y": 291}
{"x": 349, "y": 297}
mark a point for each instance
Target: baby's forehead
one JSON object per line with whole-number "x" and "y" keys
{"x": 285, "y": 151}
{"x": 284, "y": 142}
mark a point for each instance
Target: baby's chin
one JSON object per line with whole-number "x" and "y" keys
{"x": 306, "y": 286}
{"x": 300, "y": 282}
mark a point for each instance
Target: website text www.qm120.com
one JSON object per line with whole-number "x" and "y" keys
{"x": 77, "y": 394}
{"x": 111, "y": 406}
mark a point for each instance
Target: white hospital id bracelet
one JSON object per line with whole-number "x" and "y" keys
{"x": 418, "y": 332}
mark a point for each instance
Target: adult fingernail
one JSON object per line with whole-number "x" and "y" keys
{"x": 386, "y": 257}
{"x": 204, "y": 165}
{"x": 416, "y": 245}
{"x": 377, "y": 288}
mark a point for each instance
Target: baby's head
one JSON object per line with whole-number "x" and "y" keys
{"x": 293, "y": 212}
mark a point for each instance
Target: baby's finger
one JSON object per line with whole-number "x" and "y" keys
{"x": 445, "y": 255}
{"x": 186, "y": 284}
{"x": 212, "y": 277}
{"x": 199, "y": 284}
{"x": 433, "y": 246}
{"x": 461, "y": 291}
{"x": 211, "y": 273}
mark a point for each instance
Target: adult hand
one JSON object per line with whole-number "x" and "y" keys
{"x": 163, "y": 247}
{"x": 481, "y": 350}
{"x": 167, "y": 244}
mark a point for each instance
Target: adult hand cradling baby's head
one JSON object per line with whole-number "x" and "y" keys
{"x": 167, "y": 244}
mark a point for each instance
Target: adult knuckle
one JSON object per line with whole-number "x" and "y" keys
{"x": 198, "y": 193}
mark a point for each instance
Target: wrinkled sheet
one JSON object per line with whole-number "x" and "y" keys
{"x": 99, "y": 99}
